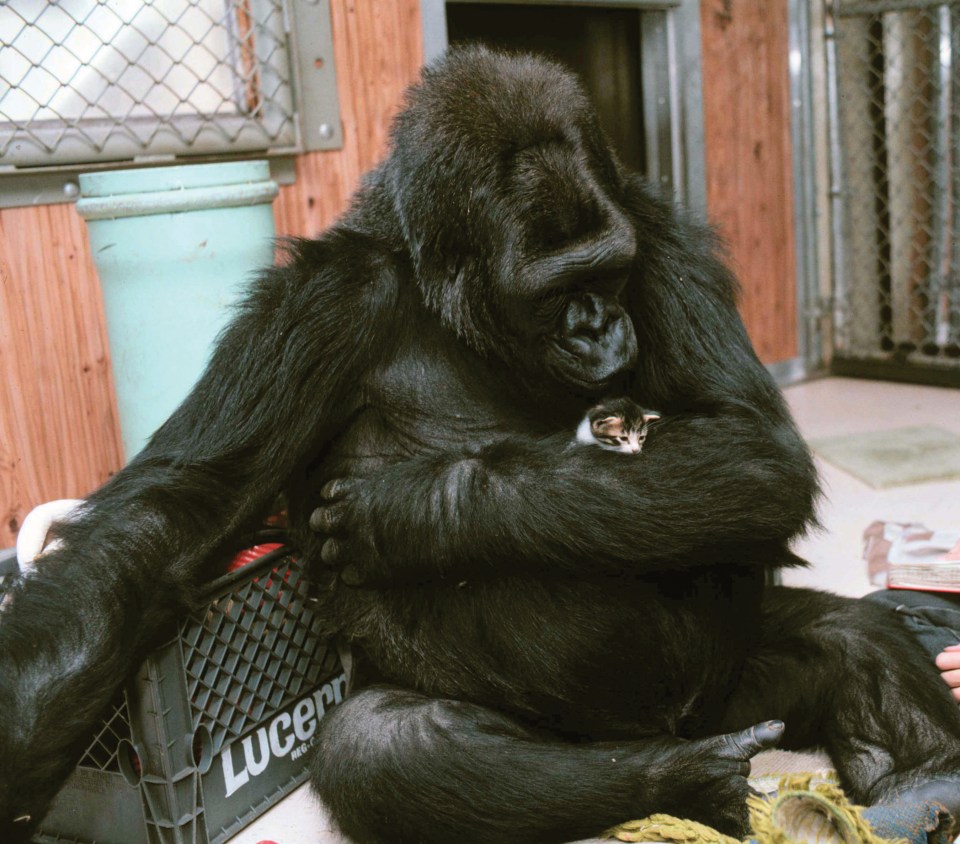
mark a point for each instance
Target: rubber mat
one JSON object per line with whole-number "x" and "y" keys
{"x": 897, "y": 457}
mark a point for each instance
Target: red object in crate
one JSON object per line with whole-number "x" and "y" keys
{"x": 252, "y": 554}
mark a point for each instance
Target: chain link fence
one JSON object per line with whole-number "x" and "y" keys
{"x": 88, "y": 80}
{"x": 895, "y": 89}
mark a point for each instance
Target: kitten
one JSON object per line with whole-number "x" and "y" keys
{"x": 616, "y": 425}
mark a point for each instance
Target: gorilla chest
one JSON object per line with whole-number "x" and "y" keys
{"x": 430, "y": 398}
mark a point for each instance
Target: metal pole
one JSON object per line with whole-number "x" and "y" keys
{"x": 936, "y": 317}
{"x": 840, "y": 292}
{"x": 810, "y": 340}
{"x": 952, "y": 292}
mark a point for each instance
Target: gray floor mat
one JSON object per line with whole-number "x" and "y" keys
{"x": 896, "y": 457}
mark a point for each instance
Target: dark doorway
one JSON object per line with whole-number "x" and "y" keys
{"x": 601, "y": 45}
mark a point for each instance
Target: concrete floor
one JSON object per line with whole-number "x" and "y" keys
{"x": 823, "y": 408}
{"x": 837, "y": 406}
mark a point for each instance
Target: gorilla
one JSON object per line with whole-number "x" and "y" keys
{"x": 545, "y": 640}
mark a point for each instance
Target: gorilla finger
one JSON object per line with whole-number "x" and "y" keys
{"x": 352, "y": 575}
{"x": 334, "y": 489}
{"x": 330, "y": 552}
{"x": 328, "y": 519}
{"x": 751, "y": 741}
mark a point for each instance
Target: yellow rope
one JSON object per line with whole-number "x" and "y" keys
{"x": 799, "y": 813}
{"x": 670, "y": 829}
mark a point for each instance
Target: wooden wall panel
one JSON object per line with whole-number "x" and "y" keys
{"x": 746, "y": 93}
{"x": 379, "y": 50}
{"x": 59, "y": 434}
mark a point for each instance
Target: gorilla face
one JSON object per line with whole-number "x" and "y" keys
{"x": 572, "y": 317}
{"x": 594, "y": 343}
{"x": 528, "y": 263}
{"x": 576, "y": 254}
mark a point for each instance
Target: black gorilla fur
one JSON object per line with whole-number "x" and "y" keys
{"x": 552, "y": 640}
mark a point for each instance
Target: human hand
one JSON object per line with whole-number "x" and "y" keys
{"x": 948, "y": 661}
{"x": 32, "y": 536}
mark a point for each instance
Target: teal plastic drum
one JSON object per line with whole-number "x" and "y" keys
{"x": 175, "y": 248}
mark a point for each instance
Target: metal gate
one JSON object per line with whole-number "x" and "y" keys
{"x": 894, "y": 99}
{"x": 87, "y": 84}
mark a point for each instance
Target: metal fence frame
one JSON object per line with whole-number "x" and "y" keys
{"x": 270, "y": 63}
{"x": 893, "y": 70}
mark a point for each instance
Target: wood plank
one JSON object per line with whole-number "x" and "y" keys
{"x": 379, "y": 50}
{"x": 59, "y": 433}
{"x": 746, "y": 93}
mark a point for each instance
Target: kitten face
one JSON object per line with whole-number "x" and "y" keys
{"x": 613, "y": 433}
{"x": 618, "y": 425}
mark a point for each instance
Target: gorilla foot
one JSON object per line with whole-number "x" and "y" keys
{"x": 942, "y": 790}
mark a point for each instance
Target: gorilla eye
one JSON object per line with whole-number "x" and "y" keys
{"x": 551, "y": 308}
{"x": 568, "y": 220}
{"x": 551, "y": 238}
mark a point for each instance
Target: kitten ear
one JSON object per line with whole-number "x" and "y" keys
{"x": 650, "y": 416}
{"x": 609, "y": 426}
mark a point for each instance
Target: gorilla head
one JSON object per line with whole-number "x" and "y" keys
{"x": 527, "y": 261}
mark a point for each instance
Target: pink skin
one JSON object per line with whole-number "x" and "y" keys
{"x": 948, "y": 661}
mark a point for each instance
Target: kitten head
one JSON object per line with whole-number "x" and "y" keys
{"x": 613, "y": 433}
{"x": 618, "y": 425}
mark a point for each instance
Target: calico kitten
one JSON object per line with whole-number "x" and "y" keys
{"x": 618, "y": 424}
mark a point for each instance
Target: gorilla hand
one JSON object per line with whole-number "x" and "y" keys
{"x": 596, "y": 341}
{"x": 344, "y": 517}
{"x": 716, "y": 769}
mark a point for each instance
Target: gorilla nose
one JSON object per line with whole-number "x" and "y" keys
{"x": 591, "y": 316}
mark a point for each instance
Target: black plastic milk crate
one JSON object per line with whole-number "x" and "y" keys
{"x": 216, "y": 725}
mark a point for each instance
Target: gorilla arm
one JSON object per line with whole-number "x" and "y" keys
{"x": 734, "y": 475}
{"x": 701, "y": 485}
{"x": 280, "y": 383}
{"x": 725, "y": 470}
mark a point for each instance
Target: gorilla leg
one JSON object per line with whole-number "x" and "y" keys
{"x": 396, "y": 766}
{"x": 847, "y": 675}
